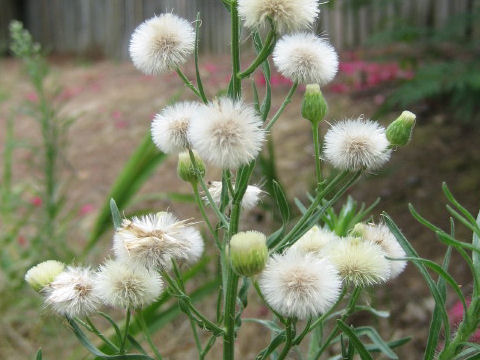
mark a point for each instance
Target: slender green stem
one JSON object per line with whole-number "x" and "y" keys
{"x": 189, "y": 309}
{"x": 195, "y": 336}
{"x": 100, "y": 335}
{"x": 262, "y": 55}
{"x": 188, "y": 83}
{"x": 316, "y": 145}
{"x": 143, "y": 326}
{"x": 197, "y": 70}
{"x": 125, "y": 335}
{"x": 312, "y": 208}
{"x": 207, "y": 348}
{"x": 212, "y": 203}
{"x": 289, "y": 340}
{"x": 201, "y": 207}
{"x": 321, "y": 319}
{"x": 279, "y": 112}
{"x": 235, "y": 44}
{"x": 348, "y": 311}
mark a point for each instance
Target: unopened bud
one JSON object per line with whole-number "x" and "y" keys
{"x": 359, "y": 230}
{"x": 43, "y": 274}
{"x": 314, "y": 106}
{"x": 248, "y": 252}
{"x": 186, "y": 170}
{"x": 400, "y": 131}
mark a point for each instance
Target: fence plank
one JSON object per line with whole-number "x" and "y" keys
{"x": 105, "y": 26}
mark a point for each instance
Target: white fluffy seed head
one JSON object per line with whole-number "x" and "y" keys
{"x": 287, "y": 15}
{"x": 127, "y": 285}
{"x": 161, "y": 43}
{"x": 251, "y": 198}
{"x": 381, "y": 235}
{"x": 227, "y": 133}
{"x": 359, "y": 262}
{"x": 356, "y": 144}
{"x": 300, "y": 286}
{"x": 154, "y": 240}
{"x": 306, "y": 58}
{"x": 43, "y": 274}
{"x": 71, "y": 293}
{"x": 170, "y": 127}
{"x": 314, "y": 241}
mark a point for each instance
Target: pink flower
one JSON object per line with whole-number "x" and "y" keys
{"x": 338, "y": 88}
{"x": 22, "y": 241}
{"x": 31, "y": 96}
{"x": 36, "y": 201}
{"x": 211, "y": 68}
{"x": 86, "y": 209}
{"x": 116, "y": 115}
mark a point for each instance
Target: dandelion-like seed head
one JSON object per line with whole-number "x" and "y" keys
{"x": 161, "y": 43}
{"x": 227, "y": 133}
{"x": 314, "y": 241}
{"x": 300, "y": 286}
{"x": 71, "y": 293}
{"x": 356, "y": 144}
{"x": 306, "y": 58}
{"x": 380, "y": 234}
{"x": 287, "y": 15}
{"x": 126, "y": 285}
{"x": 43, "y": 274}
{"x": 170, "y": 127}
{"x": 252, "y": 196}
{"x": 359, "y": 262}
{"x": 154, "y": 240}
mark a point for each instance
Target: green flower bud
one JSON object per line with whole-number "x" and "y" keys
{"x": 185, "y": 169}
{"x": 43, "y": 274}
{"x": 314, "y": 106}
{"x": 358, "y": 230}
{"x": 248, "y": 252}
{"x": 400, "y": 131}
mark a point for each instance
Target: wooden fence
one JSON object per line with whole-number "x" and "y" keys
{"x": 104, "y": 26}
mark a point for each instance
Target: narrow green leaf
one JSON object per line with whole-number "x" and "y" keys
{"x": 116, "y": 217}
{"x": 39, "y": 355}
{"x": 95, "y": 351}
{"x": 438, "y": 269}
{"x": 391, "y": 344}
{"x": 362, "y": 351}
{"x": 136, "y": 344}
{"x": 281, "y": 200}
{"x": 436, "y": 322}
{"x": 377, "y": 340}
{"x": 113, "y": 323}
{"x": 269, "y": 324}
{"x": 476, "y": 243}
{"x": 459, "y": 206}
{"x": 136, "y": 171}
{"x": 378, "y": 313}
{"x": 410, "y": 251}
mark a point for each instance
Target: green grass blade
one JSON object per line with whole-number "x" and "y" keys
{"x": 362, "y": 351}
{"x": 410, "y": 251}
{"x": 137, "y": 170}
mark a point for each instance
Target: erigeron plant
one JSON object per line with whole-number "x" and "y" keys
{"x": 303, "y": 271}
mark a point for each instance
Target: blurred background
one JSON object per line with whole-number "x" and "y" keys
{"x": 74, "y": 132}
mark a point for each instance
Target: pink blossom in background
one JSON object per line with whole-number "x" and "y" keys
{"x": 379, "y": 99}
{"x": 116, "y": 115}
{"x": 31, "y": 96}
{"x": 22, "y": 241}
{"x": 69, "y": 93}
{"x": 211, "y": 68}
{"x": 146, "y": 78}
{"x": 86, "y": 209}
{"x": 36, "y": 201}
{"x": 455, "y": 314}
{"x": 338, "y": 88}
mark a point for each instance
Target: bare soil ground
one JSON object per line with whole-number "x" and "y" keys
{"x": 113, "y": 105}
